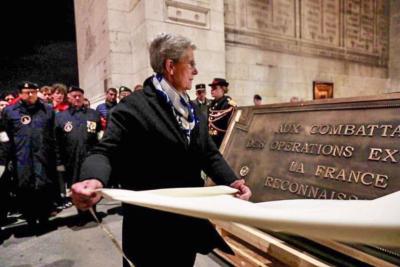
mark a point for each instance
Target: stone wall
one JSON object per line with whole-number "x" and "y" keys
{"x": 278, "y": 48}
{"x": 394, "y": 58}
{"x": 274, "y": 48}
{"x": 130, "y": 27}
{"x": 94, "y": 61}
{"x": 278, "y": 76}
{"x": 202, "y": 21}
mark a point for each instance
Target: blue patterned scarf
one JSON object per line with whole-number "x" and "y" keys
{"x": 179, "y": 103}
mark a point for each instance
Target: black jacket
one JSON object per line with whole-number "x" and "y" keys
{"x": 76, "y": 133}
{"x": 32, "y": 143}
{"x": 143, "y": 127}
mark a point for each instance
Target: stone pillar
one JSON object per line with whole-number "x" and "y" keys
{"x": 91, "y": 22}
{"x": 394, "y": 49}
{"x": 117, "y": 33}
{"x": 120, "y": 37}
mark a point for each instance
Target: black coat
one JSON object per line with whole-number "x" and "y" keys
{"x": 32, "y": 151}
{"x": 76, "y": 133}
{"x": 32, "y": 143}
{"x": 143, "y": 127}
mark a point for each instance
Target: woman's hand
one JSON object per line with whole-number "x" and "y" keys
{"x": 84, "y": 195}
{"x": 244, "y": 191}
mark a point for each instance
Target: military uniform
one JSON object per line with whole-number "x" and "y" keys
{"x": 76, "y": 134}
{"x": 31, "y": 148}
{"x": 220, "y": 114}
{"x": 205, "y": 105}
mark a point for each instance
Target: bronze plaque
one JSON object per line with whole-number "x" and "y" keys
{"x": 323, "y": 149}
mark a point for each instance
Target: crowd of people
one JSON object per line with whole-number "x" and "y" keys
{"x": 45, "y": 134}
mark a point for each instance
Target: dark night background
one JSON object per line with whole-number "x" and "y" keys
{"x": 38, "y": 43}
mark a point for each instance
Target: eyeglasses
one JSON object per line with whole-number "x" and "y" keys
{"x": 191, "y": 63}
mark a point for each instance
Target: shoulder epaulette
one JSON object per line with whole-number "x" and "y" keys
{"x": 231, "y": 102}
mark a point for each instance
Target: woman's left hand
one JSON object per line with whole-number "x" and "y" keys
{"x": 244, "y": 191}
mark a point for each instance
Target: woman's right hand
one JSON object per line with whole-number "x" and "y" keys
{"x": 83, "y": 193}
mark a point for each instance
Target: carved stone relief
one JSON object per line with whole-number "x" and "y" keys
{"x": 185, "y": 13}
{"x": 353, "y": 30}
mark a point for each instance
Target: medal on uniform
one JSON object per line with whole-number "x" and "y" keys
{"x": 68, "y": 127}
{"x": 91, "y": 126}
{"x": 25, "y": 119}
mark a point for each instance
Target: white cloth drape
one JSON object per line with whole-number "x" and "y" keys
{"x": 359, "y": 221}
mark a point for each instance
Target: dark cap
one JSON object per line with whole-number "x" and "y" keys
{"x": 200, "y": 87}
{"x": 124, "y": 89}
{"x": 75, "y": 88}
{"x": 219, "y": 81}
{"x": 27, "y": 85}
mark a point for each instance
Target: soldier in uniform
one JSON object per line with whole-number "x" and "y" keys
{"x": 76, "y": 133}
{"x": 29, "y": 125}
{"x": 123, "y": 92}
{"x": 221, "y": 110}
{"x": 201, "y": 100}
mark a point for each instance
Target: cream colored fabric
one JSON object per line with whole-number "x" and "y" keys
{"x": 2, "y": 169}
{"x": 362, "y": 221}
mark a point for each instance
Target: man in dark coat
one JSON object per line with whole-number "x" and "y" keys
{"x": 77, "y": 131}
{"x": 168, "y": 145}
{"x": 222, "y": 108}
{"x": 201, "y": 100}
{"x": 29, "y": 125}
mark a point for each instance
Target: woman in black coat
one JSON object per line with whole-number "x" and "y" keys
{"x": 169, "y": 145}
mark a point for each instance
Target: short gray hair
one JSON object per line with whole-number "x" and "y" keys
{"x": 167, "y": 46}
